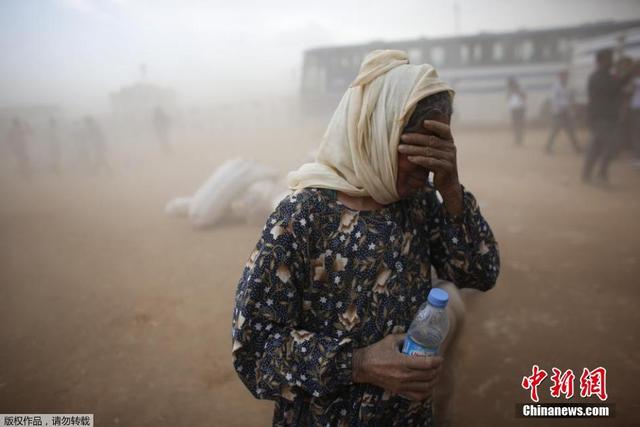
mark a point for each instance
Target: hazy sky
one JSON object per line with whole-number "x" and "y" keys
{"x": 74, "y": 52}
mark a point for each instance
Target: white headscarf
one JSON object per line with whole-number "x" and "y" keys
{"x": 358, "y": 154}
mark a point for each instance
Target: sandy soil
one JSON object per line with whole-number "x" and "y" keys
{"x": 107, "y": 306}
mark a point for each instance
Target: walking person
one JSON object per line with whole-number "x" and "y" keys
{"x": 605, "y": 94}
{"x": 54, "y": 146}
{"x": 516, "y": 98}
{"x": 18, "y": 141}
{"x": 561, "y": 108}
{"x": 634, "y": 107}
{"x": 162, "y": 128}
{"x": 96, "y": 143}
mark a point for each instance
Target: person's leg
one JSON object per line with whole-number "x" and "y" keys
{"x": 570, "y": 129}
{"x": 54, "y": 155}
{"x": 163, "y": 139}
{"x": 518, "y": 124}
{"x": 514, "y": 125}
{"x": 610, "y": 149}
{"x": 444, "y": 390}
{"x": 555, "y": 127}
{"x": 22, "y": 157}
{"x": 594, "y": 150}
{"x": 102, "y": 163}
{"x": 635, "y": 117}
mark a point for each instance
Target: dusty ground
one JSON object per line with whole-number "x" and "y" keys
{"x": 109, "y": 307}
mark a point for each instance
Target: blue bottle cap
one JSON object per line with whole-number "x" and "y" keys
{"x": 438, "y": 298}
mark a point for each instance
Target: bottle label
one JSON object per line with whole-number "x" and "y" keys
{"x": 412, "y": 348}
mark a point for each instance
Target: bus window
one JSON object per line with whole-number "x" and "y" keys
{"x": 464, "y": 54}
{"x": 311, "y": 61}
{"x": 437, "y": 55}
{"x": 498, "y": 52}
{"x": 563, "y": 46}
{"x": 313, "y": 79}
{"x": 525, "y": 51}
{"x": 415, "y": 56}
{"x": 477, "y": 53}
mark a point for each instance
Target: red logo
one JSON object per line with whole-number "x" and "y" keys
{"x": 592, "y": 383}
{"x": 562, "y": 383}
{"x": 537, "y": 376}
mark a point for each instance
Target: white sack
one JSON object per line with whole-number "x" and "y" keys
{"x": 227, "y": 183}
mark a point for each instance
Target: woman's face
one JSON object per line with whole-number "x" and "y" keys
{"x": 412, "y": 177}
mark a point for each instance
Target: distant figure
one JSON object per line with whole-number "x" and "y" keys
{"x": 634, "y": 112}
{"x": 623, "y": 70}
{"x": 516, "y": 99}
{"x": 18, "y": 141}
{"x": 561, "y": 106}
{"x": 96, "y": 144}
{"x": 162, "y": 125}
{"x": 605, "y": 92}
{"x": 54, "y": 146}
{"x": 76, "y": 135}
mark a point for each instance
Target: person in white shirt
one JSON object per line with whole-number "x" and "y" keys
{"x": 561, "y": 106}
{"x": 516, "y": 98}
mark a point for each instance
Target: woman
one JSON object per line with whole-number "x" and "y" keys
{"x": 344, "y": 262}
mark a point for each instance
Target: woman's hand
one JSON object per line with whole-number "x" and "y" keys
{"x": 382, "y": 364}
{"x": 436, "y": 152}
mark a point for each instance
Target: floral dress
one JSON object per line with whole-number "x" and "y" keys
{"x": 324, "y": 280}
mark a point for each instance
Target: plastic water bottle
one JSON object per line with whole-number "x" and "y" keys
{"x": 430, "y": 326}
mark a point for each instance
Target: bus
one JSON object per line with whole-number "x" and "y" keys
{"x": 477, "y": 66}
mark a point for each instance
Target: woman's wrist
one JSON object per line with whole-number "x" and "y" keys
{"x": 453, "y": 199}
{"x": 357, "y": 368}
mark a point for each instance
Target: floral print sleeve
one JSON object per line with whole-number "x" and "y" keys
{"x": 274, "y": 355}
{"x": 463, "y": 250}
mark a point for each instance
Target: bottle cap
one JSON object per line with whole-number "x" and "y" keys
{"x": 438, "y": 298}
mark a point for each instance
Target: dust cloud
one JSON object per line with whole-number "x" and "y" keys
{"x": 108, "y": 305}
